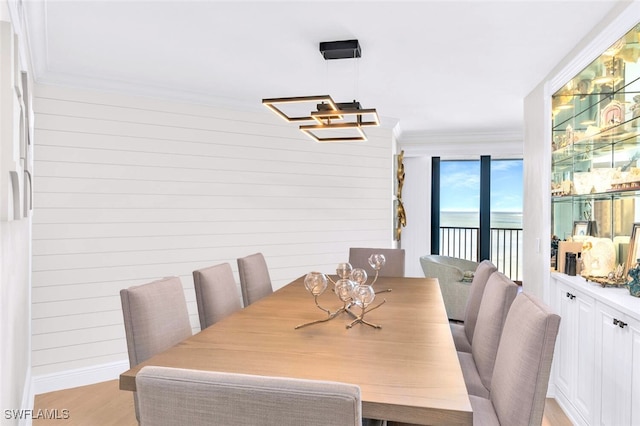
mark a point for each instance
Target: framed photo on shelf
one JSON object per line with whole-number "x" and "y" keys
{"x": 580, "y": 228}
{"x": 634, "y": 248}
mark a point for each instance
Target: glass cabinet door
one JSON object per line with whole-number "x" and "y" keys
{"x": 595, "y": 175}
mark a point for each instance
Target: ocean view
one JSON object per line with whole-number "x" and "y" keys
{"x": 470, "y": 219}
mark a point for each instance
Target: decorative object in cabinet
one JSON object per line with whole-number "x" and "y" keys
{"x": 633, "y": 256}
{"x": 598, "y": 256}
{"x": 634, "y": 284}
{"x": 612, "y": 115}
{"x": 582, "y": 228}
{"x": 615, "y": 279}
{"x": 635, "y": 108}
{"x": 565, "y": 247}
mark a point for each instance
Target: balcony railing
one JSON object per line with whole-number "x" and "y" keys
{"x": 506, "y": 247}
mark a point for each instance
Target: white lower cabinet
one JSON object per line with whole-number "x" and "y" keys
{"x": 596, "y": 368}
{"x": 574, "y": 355}
{"x": 618, "y": 367}
{"x": 634, "y": 329}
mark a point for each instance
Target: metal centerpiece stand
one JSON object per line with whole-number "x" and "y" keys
{"x": 351, "y": 288}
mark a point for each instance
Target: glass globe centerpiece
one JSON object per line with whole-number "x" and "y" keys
{"x": 350, "y": 288}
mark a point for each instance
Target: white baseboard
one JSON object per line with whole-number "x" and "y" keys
{"x": 569, "y": 410}
{"x": 78, "y": 377}
{"x": 551, "y": 390}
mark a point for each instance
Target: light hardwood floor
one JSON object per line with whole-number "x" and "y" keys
{"x": 103, "y": 404}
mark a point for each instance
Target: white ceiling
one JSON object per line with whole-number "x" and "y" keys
{"x": 434, "y": 66}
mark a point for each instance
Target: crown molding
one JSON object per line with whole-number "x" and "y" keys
{"x": 464, "y": 145}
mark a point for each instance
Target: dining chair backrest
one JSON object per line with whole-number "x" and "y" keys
{"x": 523, "y": 362}
{"x": 155, "y": 318}
{"x": 255, "y": 281}
{"x": 216, "y": 293}
{"x": 480, "y": 277}
{"x": 498, "y": 296}
{"x": 171, "y": 396}
{"x": 394, "y": 260}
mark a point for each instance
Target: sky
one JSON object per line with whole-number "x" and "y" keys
{"x": 460, "y": 185}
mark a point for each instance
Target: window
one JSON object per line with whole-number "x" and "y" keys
{"x": 461, "y": 200}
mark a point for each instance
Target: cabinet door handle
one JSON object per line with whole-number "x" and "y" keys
{"x": 619, "y": 323}
{"x": 568, "y": 294}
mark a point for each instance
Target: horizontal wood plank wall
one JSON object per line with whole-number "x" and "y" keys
{"x": 128, "y": 190}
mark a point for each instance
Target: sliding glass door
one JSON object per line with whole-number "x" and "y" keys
{"x": 477, "y": 211}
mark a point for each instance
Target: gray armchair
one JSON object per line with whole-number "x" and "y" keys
{"x": 455, "y": 277}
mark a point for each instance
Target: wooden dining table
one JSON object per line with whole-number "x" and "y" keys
{"x": 408, "y": 370}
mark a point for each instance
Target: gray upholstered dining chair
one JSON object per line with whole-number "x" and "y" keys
{"x": 216, "y": 293}
{"x": 255, "y": 281}
{"x": 522, "y": 367}
{"x": 394, "y": 260}
{"x": 155, "y": 318}
{"x": 463, "y": 333}
{"x": 478, "y": 366}
{"x": 523, "y": 364}
{"x": 172, "y": 396}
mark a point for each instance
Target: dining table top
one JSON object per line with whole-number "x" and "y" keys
{"x": 407, "y": 370}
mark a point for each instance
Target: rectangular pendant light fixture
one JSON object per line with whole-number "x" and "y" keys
{"x": 343, "y": 122}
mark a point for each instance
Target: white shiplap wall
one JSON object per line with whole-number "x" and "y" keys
{"x": 128, "y": 190}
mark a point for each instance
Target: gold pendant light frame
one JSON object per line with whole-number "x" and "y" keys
{"x": 346, "y": 118}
